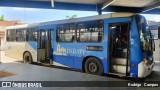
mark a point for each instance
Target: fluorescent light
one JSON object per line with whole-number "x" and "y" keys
{"x": 107, "y": 4}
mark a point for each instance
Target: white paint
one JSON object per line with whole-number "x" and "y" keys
{"x": 15, "y": 49}
{"x": 59, "y": 64}
{"x": 143, "y": 69}
{"x": 119, "y": 68}
{"x": 64, "y": 51}
{"x": 52, "y": 3}
{"x": 32, "y": 51}
{"x": 107, "y": 3}
{"x": 17, "y": 26}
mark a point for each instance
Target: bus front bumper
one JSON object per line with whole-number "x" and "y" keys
{"x": 145, "y": 69}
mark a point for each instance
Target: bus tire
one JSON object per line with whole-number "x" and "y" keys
{"x": 27, "y": 58}
{"x": 93, "y": 66}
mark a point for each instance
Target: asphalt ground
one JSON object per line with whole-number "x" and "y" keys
{"x": 14, "y": 70}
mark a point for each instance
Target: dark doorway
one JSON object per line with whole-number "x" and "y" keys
{"x": 119, "y": 48}
{"x": 44, "y": 46}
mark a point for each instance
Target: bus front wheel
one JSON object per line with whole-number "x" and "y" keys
{"x": 27, "y": 58}
{"x": 93, "y": 66}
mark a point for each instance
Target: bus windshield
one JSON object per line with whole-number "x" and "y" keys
{"x": 144, "y": 34}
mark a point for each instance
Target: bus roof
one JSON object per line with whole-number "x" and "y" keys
{"x": 96, "y": 17}
{"x": 22, "y": 26}
{"x": 17, "y": 26}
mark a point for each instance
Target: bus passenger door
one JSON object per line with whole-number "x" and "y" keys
{"x": 119, "y": 49}
{"x": 44, "y": 46}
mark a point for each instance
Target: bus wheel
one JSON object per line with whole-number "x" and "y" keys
{"x": 93, "y": 66}
{"x": 27, "y": 58}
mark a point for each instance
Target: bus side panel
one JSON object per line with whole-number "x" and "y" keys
{"x": 31, "y": 46}
{"x": 73, "y": 54}
{"x": 15, "y": 49}
{"x": 77, "y": 51}
{"x": 64, "y": 60}
{"x": 135, "y": 50}
{"x": 78, "y": 62}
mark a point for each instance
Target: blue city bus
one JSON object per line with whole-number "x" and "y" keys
{"x": 116, "y": 43}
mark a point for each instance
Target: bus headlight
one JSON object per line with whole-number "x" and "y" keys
{"x": 145, "y": 61}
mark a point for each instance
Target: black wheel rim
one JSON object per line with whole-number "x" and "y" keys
{"x": 26, "y": 59}
{"x": 93, "y": 68}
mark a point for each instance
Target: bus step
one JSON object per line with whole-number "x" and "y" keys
{"x": 119, "y": 61}
{"x": 118, "y": 74}
{"x": 119, "y": 68}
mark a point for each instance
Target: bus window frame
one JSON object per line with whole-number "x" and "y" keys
{"x": 138, "y": 29}
{"x": 90, "y": 22}
{"x": 64, "y": 29}
{"x": 8, "y": 30}
{"x": 34, "y": 29}
{"x": 10, "y": 35}
{"x": 22, "y": 29}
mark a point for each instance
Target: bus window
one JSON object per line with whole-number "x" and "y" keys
{"x": 20, "y": 35}
{"x": 90, "y": 32}
{"x": 143, "y": 33}
{"x": 32, "y": 35}
{"x": 8, "y": 35}
{"x": 66, "y": 33}
{"x": 11, "y": 35}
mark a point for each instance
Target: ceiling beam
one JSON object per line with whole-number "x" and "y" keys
{"x": 47, "y": 5}
{"x": 73, "y": 6}
{"x": 151, "y": 6}
{"x": 107, "y": 3}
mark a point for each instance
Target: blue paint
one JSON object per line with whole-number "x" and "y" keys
{"x": 135, "y": 50}
{"x": 33, "y": 44}
{"x": 73, "y": 57}
{"x": 65, "y": 60}
{"x": 74, "y": 6}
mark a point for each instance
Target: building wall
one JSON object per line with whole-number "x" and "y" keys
{"x": 3, "y": 40}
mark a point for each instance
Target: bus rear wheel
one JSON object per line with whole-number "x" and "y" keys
{"x": 93, "y": 66}
{"x": 27, "y": 58}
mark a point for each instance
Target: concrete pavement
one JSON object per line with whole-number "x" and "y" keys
{"x": 5, "y": 59}
{"x": 28, "y": 72}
